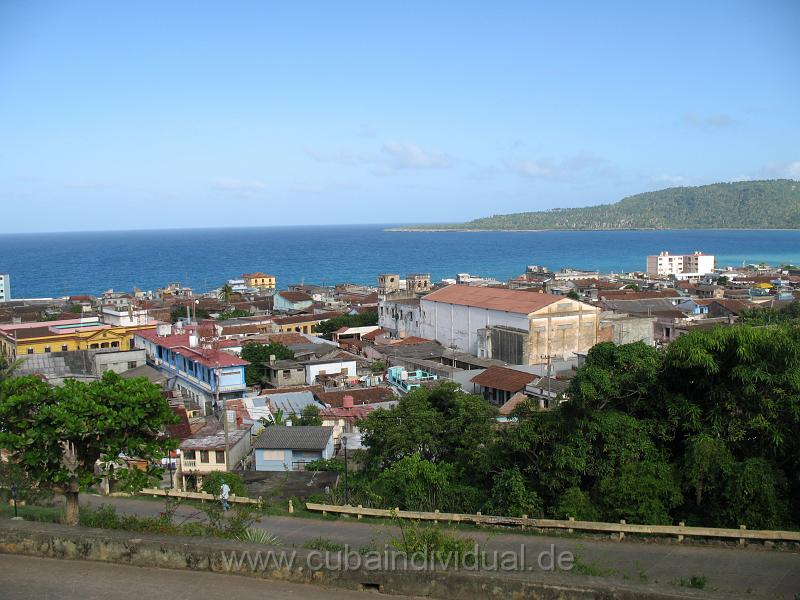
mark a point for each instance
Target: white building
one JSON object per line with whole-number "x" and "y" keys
{"x": 516, "y": 326}
{"x": 695, "y": 264}
{"x": 5, "y": 287}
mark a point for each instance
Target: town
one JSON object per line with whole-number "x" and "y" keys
{"x": 295, "y": 369}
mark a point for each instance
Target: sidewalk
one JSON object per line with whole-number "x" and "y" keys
{"x": 753, "y": 572}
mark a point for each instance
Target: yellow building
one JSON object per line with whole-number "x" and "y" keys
{"x": 301, "y": 323}
{"x": 259, "y": 280}
{"x": 21, "y": 339}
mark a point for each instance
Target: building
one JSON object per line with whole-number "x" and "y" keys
{"x": 5, "y": 287}
{"x": 388, "y": 283}
{"x": 86, "y": 365}
{"x": 285, "y": 373}
{"x": 514, "y": 326}
{"x": 407, "y": 381}
{"x": 685, "y": 265}
{"x": 499, "y": 384}
{"x": 292, "y": 301}
{"x": 21, "y": 339}
{"x": 259, "y": 280}
{"x": 281, "y": 448}
{"x": 201, "y": 373}
{"x": 306, "y": 323}
{"x": 206, "y": 453}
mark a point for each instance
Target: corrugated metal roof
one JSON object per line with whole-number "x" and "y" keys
{"x": 516, "y": 301}
{"x": 279, "y": 437}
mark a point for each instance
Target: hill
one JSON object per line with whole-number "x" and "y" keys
{"x": 773, "y": 204}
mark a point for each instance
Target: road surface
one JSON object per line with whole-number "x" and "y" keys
{"x": 750, "y": 572}
{"x": 28, "y": 578}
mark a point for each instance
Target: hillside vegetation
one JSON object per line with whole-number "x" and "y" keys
{"x": 773, "y": 204}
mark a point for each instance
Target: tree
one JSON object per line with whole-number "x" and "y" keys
{"x": 756, "y": 496}
{"x": 632, "y": 286}
{"x": 416, "y": 484}
{"x": 259, "y": 355}
{"x": 179, "y": 312}
{"x": 225, "y": 293}
{"x": 58, "y": 434}
{"x": 8, "y": 367}
{"x": 573, "y": 295}
{"x": 233, "y": 314}
{"x": 511, "y": 497}
{"x": 360, "y": 320}
{"x": 640, "y": 492}
{"x": 310, "y": 416}
{"x": 212, "y": 483}
{"x": 575, "y": 503}
{"x": 722, "y": 280}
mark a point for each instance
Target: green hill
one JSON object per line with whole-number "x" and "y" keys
{"x": 773, "y": 204}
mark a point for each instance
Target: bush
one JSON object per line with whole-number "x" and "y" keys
{"x": 331, "y": 464}
{"x": 575, "y": 503}
{"x": 434, "y": 543}
{"x": 510, "y": 497}
{"x": 212, "y": 483}
{"x": 323, "y": 544}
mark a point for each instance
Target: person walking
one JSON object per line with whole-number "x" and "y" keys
{"x": 224, "y": 492}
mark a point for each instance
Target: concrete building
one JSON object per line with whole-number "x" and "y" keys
{"x": 5, "y": 287}
{"x": 514, "y": 326}
{"x": 206, "y": 453}
{"x": 281, "y": 448}
{"x": 201, "y": 373}
{"x": 85, "y": 365}
{"x": 259, "y": 280}
{"x": 290, "y": 301}
{"x": 388, "y": 283}
{"x": 685, "y": 265}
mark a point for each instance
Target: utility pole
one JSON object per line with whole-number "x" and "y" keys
{"x": 225, "y": 421}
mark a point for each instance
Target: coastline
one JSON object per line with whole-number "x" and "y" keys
{"x": 468, "y": 230}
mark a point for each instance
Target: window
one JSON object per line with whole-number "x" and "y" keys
{"x": 47, "y": 348}
{"x": 63, "y": 347}
{"x": 115, "y": 344}
{"x": 287, "y": 373}
{"x": 220, "y": 457}
{"x": 203, "y": 456}
{"x": 273, "y": 454}
{"x": 30, "y": 350}
{"x": 189, "y": 455}
{"x": 104, "y": 345}
{"x": 93, "y": 346}
{"x": 132, "y": 364}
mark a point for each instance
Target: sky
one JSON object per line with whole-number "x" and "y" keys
{"x": 130, "y": 115}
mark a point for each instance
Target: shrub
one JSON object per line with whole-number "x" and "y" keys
{"x": 575, "y": 503}
{"x": 435, "y": 543}
{"x": 212, "y": 483}
{"x": 330, "y": 464}
{"x": 323, "y": 544}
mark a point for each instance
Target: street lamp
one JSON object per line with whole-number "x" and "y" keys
{"x": 346, "y": 494}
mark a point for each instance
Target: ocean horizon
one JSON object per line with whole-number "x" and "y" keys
{"x": 90, "y": 262}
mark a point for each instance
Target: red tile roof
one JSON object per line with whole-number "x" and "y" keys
{"x": 412, "y": 341}
{"x": 501, "y": 378}
{"x": 295, "y": 296}
{"x": 309, "y": 318}
{"x": 492, "y": 298}
{"x": 210, "y": 358}
{"x": 634, "y": 295}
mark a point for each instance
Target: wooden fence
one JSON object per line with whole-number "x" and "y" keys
{"x": 202, "y": 496}
{"x": 680, "y": 531}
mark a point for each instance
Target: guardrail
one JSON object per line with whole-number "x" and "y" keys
{"x": 202, "y": 496}
{"x": 680, "y": 531}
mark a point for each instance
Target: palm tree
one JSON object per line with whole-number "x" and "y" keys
{"x": 225, "y": 293}
{"x": 7, "y": 368}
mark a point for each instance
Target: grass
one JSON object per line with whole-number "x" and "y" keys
{"x": 42, "y": 514}
{"x": 697, "y": 582}
{"x": 593, "y": 569}
{"x": 323, "y": 544}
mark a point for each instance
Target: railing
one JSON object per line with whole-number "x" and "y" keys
{"x": 202, "y": 496}
{"x": 189, "y": 463}
{"x": 680, "y": 531}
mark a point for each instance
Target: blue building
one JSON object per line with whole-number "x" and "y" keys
{"x": 405, "y": 381}
{"x": 282, "y": 448}
{"x": 201, "y": 374}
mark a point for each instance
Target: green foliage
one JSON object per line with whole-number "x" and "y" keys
{"x": 576, "y": 503}
{"x": 43, "y": 425}
{"x": 756, "y": 495}
{"x": 511, "y": 497}
{"x": 178, "y": 312}
{"x": 770, "y": 316}
{"x": 212, "y": 483}
{"x": 132, "y": 479}
{"x": 233, "y": 314}
{"x": 309, "y": 415}
{"x": 331, "y": 464}
{"x": 742, "y": 204}
{"x": 360, "y": 320}
{"x": 416, "y": 484}
{"x": 323, "y": 545}
{"x": 433, "y": 542}
{"x": 259, "y": 536}
{"x": 258, "y": 355}
{"x": 225, "y": 293}
{"x": 379, "y": 366}
{"x": 641, "y": 492}
{"x": 573, "y": 295}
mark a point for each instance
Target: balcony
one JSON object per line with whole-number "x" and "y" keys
{"x": 189, "y": 463}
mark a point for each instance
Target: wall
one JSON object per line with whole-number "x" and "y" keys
{"x": 119, "y": 362}
{"x": 330, "y": 368}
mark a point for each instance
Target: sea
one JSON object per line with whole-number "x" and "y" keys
{"x": 59, "y": 264}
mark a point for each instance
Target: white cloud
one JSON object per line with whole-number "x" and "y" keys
{"x": 708, "y": 122}
{"x": 89, "y": 184}
{"x": 567, "y": 168}
{"x": 407, "y": 155}
{"x": 237, "y": 186}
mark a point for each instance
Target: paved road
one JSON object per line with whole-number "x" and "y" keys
{"x": 27, "y": 578}
{"x": 750, "y": 572}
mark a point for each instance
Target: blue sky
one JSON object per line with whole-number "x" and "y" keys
{"x": 164, "y": 114}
